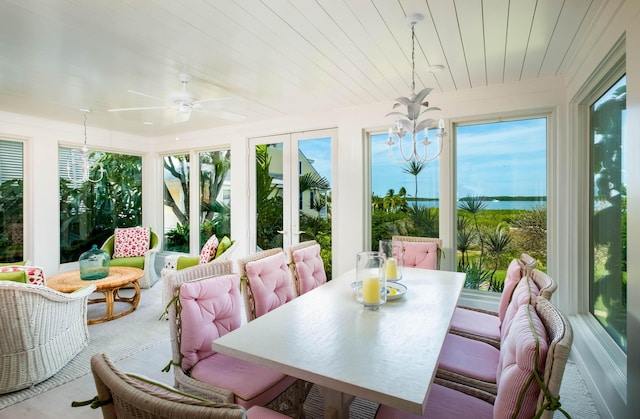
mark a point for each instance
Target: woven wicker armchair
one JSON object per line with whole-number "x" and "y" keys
{"x": 42, "y": 330}
{"x": 129, "y": 396}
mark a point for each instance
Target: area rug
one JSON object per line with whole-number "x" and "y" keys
{"x": 117, "y": 338}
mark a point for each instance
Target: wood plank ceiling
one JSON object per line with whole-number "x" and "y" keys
{"x": 270, "y": 57}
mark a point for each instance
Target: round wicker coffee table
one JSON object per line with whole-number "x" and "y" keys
{"x": 119, "y": 277}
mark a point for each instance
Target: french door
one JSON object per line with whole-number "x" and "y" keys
{"x": 290, "y": 189}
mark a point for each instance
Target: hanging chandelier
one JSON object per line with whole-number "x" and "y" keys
{"x": 79, "y": 165}
{"x": 408, "y": 125}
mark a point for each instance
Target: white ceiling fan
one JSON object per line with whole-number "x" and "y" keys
{"x": 183, "y": 102}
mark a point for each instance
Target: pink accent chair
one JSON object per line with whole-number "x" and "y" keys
{"x": 202, "y": 309}
{"x": 474, "y": 363}
{"x": 485, "y": 325}
{"x": 307, "y": 267}
{"x": 420, "y": 252}
{"x": 540, "y": 338}
{"x": 122, "y": 395}
{"x": 266, "y": 282}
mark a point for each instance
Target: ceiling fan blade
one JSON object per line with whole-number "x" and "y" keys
{"x": 146, "y": 95}
{"x": 229, "y": 116}
{"x": 136, "y": 109}
{"x": 218, "y": 99}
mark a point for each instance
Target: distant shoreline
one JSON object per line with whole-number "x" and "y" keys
{"x": 490, "y": 198}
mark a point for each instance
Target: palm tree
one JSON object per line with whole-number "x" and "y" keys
{"x": 465, "y": 238}
{"x": 497, "y": 244}
{"x": 268, "y": 201}
{"x": 312, "y": 181}
{"x": 473, "y": 205}
{"x": 414, "y": 167}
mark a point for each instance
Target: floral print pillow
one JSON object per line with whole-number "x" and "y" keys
{"x": 34, "y": 274}
{"x": 209, "y": 250}
{"x": 131, "y": 242}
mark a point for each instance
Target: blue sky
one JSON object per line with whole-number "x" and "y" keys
{"x": 503, "y": 158}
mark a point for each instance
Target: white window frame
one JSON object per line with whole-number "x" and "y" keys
{"x": 591, "y": 342}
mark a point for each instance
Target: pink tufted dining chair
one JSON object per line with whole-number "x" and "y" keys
{"x": 203, "y": 309}
{"x": 307, "y": 267}
{"x": 420, "y": 252}
{"x": 540, "y": 338}
{"x": 474, "y": 363}
{"x": 485, "y": 325}
{"x": 266, "y": 282}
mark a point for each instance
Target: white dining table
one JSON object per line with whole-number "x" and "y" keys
{"x": 389, "y": 356}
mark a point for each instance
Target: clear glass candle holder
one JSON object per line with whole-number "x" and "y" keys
{"x": 371, "y": 285}
{"x": 392, "y": 250}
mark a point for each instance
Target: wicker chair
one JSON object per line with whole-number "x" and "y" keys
{"x": 515, "y": 397}
{"x": 484, "y": 325}
{"x": 255, "y": 304}
{"x": 412, "y": 239}
{"x": 145, "y": 262}
{"x": 290, "y": 401}
{"x": 180, "y": 261}
{"x": 307, "y": 267}
{"x": 130, "y": 396}
{"x": 474, "y": 363}
{"x": 42, "y": 330}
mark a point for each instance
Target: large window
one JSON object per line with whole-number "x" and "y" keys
{"x": 11, "y": 201}
{"x": 214, "y": 187}
{"x": 404, "y": 197}
{"x": 501, "y": 198}
{"x": 94, "y": 203}
{"x": 608, "y": 212}
{"x": 176, "y": 202}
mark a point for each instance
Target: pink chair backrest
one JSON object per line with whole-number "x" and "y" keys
{"x": 421, "y": 255}
{"x": 270, "y": 281}
{"x": 514, "y": 273}
{"x": 210, "y": 309}
{"x": 523, "y": 351}
{"x": 525, "y": 293}
{"x": 309, "y": 268}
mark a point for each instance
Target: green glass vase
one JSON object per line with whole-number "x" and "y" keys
{"x": 94, "y": 264}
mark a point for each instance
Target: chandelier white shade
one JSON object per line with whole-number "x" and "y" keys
{"x": 408, "y": 124}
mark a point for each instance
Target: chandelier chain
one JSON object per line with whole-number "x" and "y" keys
{"x": 413, "y": 58}
{"x": 85, "y": 128}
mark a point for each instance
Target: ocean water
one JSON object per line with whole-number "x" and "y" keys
{"x": 494, "y": 205}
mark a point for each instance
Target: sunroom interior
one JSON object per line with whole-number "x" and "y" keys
{"x": 603, "y": 51}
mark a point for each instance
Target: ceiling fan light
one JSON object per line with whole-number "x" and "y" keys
{"x": 182, "y": 115}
